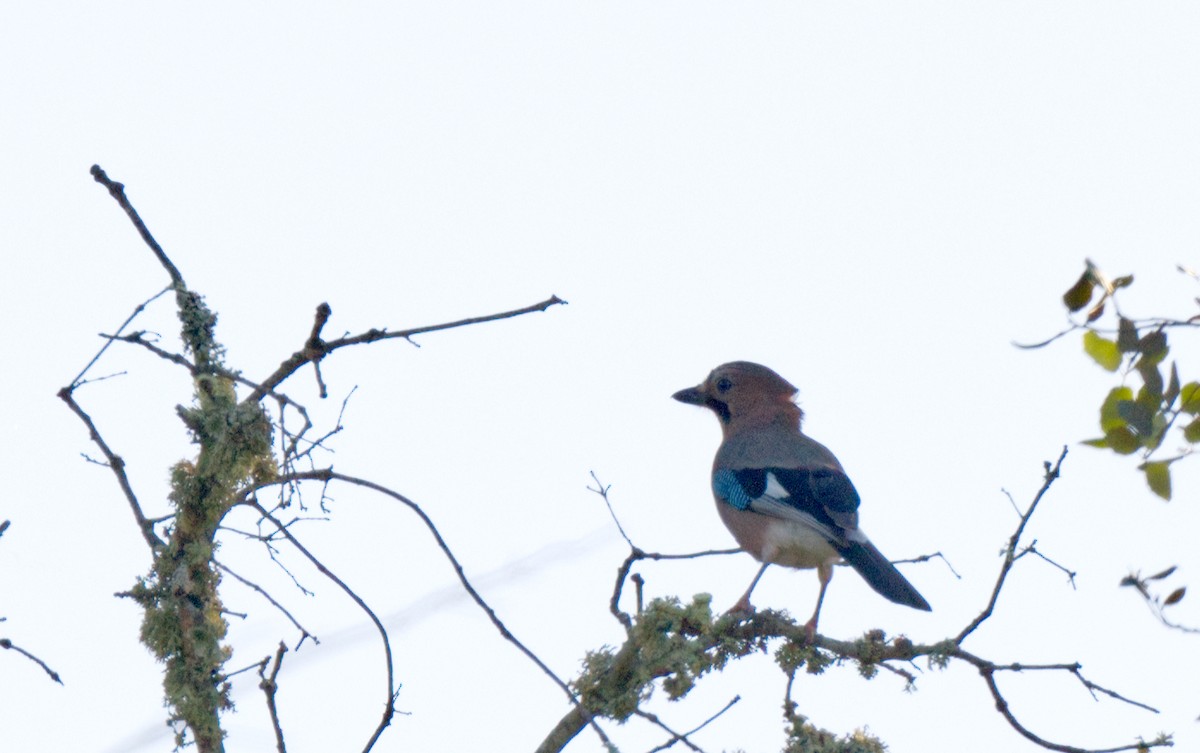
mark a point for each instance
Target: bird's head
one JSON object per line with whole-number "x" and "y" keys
{"x": 742, "y": 393}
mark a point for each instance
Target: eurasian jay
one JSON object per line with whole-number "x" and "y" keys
{"x": 783, "y": 495}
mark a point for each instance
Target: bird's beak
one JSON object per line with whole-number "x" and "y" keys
{"x": 691, "y": 396}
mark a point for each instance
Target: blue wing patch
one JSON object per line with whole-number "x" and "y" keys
{"x": 822, "y": 499}
{"x": 727, "y": 487}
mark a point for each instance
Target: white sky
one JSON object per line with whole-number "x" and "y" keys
{"x": 874, "y": 199}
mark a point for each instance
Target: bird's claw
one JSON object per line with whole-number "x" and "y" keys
{"x": 742, "y": 607}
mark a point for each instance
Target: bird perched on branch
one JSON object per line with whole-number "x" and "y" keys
{"x": 783, "y": 495}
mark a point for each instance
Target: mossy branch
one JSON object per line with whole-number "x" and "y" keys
{"x": 183, "y": 621}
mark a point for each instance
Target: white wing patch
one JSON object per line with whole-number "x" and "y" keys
{"x": 774, "y": 488}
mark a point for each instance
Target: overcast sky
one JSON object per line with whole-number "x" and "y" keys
{"x": 874, "y": 199}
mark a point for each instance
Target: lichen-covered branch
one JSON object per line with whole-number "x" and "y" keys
{"x": 671, "y": 645}
{"x": 184, "y": 621}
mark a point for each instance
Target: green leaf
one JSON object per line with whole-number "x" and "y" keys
{"x": 1101, "y": 442}
{"x": 1123, "y": 441}
{"x": 1191, "y": 432}
{"x": 1122, "y": 282}
{"x": 1102, "y": 351}
{"x": 1109, "y": 417}
{"x": 1080, "y": 293}
{"x": 1158, "y": 476}
{"x": 1172, "y": 387}
{"x": 1158, "y": 430}
{"x": 1153, "y": 346}
{"x": 1190, "y": 395}
{"x": 1127, "y": 336}
{"x": 1137, "y": 415}
{"x": 1152, "y": 392}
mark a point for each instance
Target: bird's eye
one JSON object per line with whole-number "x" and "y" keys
{"x": 724, "y": 385}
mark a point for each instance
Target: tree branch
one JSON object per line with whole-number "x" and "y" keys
{"x": 1052, "y": 473}
{"x": 117, "y": 465}
{"x": 5, "y": 643}
{"x": 390, "y": 705}
{"x": 117, "y": 191}
{"x": 327, "y": 475}
{"x": 270, "y": 687}
{"x": 315, "y": 349}
{"x": 303, "y": 631}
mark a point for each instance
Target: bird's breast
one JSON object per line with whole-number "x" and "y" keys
{"x": 775, "y": 540}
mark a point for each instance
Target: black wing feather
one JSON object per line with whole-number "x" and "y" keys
{"x": 829, "y": 497}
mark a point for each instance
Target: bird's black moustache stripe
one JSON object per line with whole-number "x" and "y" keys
{"x": 718, "y": 407}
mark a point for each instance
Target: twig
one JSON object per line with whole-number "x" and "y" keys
{"x": 1010, "y": 551}
{"x": 390, "y": 705}
{"x": 314, "y": 344}
{"x": 1032, "y": 549}
{"x": 328, "y": 475}
{"x": 683, "y": 737}
{"x": 602, "y": 490}
{"x": 117, "y": 190}
{"x": 303, "y": 632}
{"x": 315, "y": 349}
{"x": 926, "y": 558}
{"x": 117, "y": 464}
{"x": 78, "y": 380}
{"x": 7, "y": 644}
{"x": 676, "y": 737}
{"x": 614, "y": 603}
{"x": 635, "y": 554}
{"x": 1044, "y": 343}
{"x": 1002, "y": 706}
{"x": 270, "y": 687}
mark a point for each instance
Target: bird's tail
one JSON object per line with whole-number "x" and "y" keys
{"x": 882, "y": 575}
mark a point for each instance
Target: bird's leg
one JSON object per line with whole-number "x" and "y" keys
{"x": 743, "y": 604}
{"x": 825, "y": 574}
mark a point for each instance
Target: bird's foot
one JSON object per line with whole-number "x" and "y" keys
{"x": 742, "y": 607}
{"x": 810, "y": 629}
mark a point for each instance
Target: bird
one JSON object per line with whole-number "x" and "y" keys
{"x": 783, "y": 495}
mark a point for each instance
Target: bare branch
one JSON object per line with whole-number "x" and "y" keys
{"x": 1002, "y": 706}
{"x": 683, "y": 737}
{"x": 7, "y": 644}
{"x": 117, "y": 465}
{"x": 390, "y": 705}
{"x": 303, "y": 631}
{"x": 1052, "y": 473}
{"x": 270, "y": 687}
{"x": 1032, "y": 549}
{"x": 636, "y": 555}
{"x": 117, "y": 190}
{"x": 926, "y": 558}
{"x": 78, "y": 380}
{"x": 602, "y": 490}
{"x": 328, "y": 475}
{"x": 1044, "y": 343}
{"x": 315, "y": 349}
